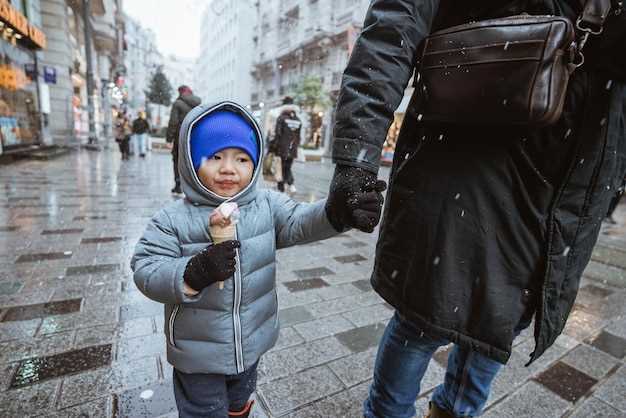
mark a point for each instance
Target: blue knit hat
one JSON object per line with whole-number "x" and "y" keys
{"x": 220, "y": 130}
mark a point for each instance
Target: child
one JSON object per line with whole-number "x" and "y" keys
{"x": 220, "y": 298}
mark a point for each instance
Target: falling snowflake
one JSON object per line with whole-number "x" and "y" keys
{"x": 609, "y": 84}
{"x": 582, "y": 160}
{"x": 462, "y": 213}
{"x": 441, "y": 137}
{"x": 406, "y": 342}
{"x": 394, "y": 274}
{"x": 420, "y": 116}
{"x": 506, "y": 46}
{"x": 147, "y": 394}
{"x": 436, "y": 261}
{"x": 568, "y": 133}
{"x": 406, "y": 157}
{"x": 456, "y": 309}
{"x": 457, "y": 196}
{"x": 603, "y": 122}
{"x": 504, "y": 102}
{"x": 566, "y": 251}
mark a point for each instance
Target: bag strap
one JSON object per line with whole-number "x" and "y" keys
{"x": 591, "y": 22}
{"x": 594, "y": 15}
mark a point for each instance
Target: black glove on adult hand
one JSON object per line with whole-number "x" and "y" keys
{"x": 355, "y": 199}
{"x": 215, "y": 263}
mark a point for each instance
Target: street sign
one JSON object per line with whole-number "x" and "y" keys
{"x": 49, "y": 74}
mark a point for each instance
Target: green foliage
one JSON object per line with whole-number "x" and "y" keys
{"x": 310, "y": 94}
{"x": 160, "y": 89}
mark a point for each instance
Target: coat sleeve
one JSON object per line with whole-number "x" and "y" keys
{"x": 172, "y": 125}
{"x": 299, "y": 223}
{"x": 378, "y": 71}
{"x": 158, "y": 264}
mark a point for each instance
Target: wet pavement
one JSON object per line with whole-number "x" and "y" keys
{"x": 77, "y": 339}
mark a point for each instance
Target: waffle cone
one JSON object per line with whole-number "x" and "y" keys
{"x": 221, "y": 234}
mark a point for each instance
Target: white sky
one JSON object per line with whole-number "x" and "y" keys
{"x": 176, "y": 23}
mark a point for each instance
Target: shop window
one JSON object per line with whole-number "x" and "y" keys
{"x": 19, "y": 102}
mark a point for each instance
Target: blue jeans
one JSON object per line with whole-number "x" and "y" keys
{"x": 403, "y": 356}
{"x": 200, "y": 395}
{"x": 140, "y": 145}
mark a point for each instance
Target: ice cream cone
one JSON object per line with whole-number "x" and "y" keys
{"x": 222, "y": 225}
{"x": 220, "y": 234}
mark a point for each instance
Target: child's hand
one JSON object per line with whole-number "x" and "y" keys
{"x": 215, "y": 263}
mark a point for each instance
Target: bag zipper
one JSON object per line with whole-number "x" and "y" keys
{"x": 171, "y": 325}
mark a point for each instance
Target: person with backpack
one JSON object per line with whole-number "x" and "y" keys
{"x": 182, "y": 105}
{"x": 487, "y": 223}
{"x": 286, "y": 142}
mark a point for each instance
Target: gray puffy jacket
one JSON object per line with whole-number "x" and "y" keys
{"x": 221, "y": 331}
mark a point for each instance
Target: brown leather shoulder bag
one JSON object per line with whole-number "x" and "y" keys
{"x": 511, "y": 70}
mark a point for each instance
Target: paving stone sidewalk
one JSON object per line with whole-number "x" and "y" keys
{"x": 77, "y": 339}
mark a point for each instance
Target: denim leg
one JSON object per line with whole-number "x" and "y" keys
{"x": 403, "y": 356}
{"x": 241, "y": 387}
{"x": 200, "y": 395}
{"x": 141, "y": 143}
{"x": 467, "y": 383}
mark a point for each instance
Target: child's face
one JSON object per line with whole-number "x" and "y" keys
{"x": 227, "y": 173}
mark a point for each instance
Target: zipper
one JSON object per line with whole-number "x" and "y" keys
{"x": 171, "y": 324}
{"x": 236, "y": 307}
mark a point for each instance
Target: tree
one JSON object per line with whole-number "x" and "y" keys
{"x": 159, "y": 91}
{"x": 310, "y": 95}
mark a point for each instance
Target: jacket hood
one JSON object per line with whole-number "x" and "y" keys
{"x": 190, "y": 99}
{"x": 194, "y": 190}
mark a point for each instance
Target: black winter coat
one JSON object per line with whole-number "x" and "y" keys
{"x": 287, "y": 135}
{"x": 140, "y": 126}
{"x": 483, "y": 226}
{"x": 182, "y": 105}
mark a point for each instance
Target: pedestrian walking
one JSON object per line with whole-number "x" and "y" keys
{"x": 122, "y": 134}
{"x": 141, "y": 128}
{"x": 182, "y": 105}
{"x": 488, "y": 224}
{"x": 286, "y": 141}
{"x": 216, "y": 333}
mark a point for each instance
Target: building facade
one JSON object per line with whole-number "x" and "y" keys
{"x": 65, "y": 66}
{"x": 226, "y": 51}
{"x": 21, "y": 43}
{"x": 299, "y": 39}
{"x": 141, "y": 60}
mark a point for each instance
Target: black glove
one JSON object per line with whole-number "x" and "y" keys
{"x": 215, "y": 263}
{"x": 355, "y": 199}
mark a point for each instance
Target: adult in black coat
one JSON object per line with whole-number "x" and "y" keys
{"x": 182, "y": 105}
{"x": 286, "y": 141}
{"x": 485, "y": 227}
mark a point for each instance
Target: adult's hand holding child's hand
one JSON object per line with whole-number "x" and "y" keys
{"x": 215, "y": 263}
{"x": 355, "y": 199}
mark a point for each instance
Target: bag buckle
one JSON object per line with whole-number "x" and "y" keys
{"x": 587, "y": 29}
